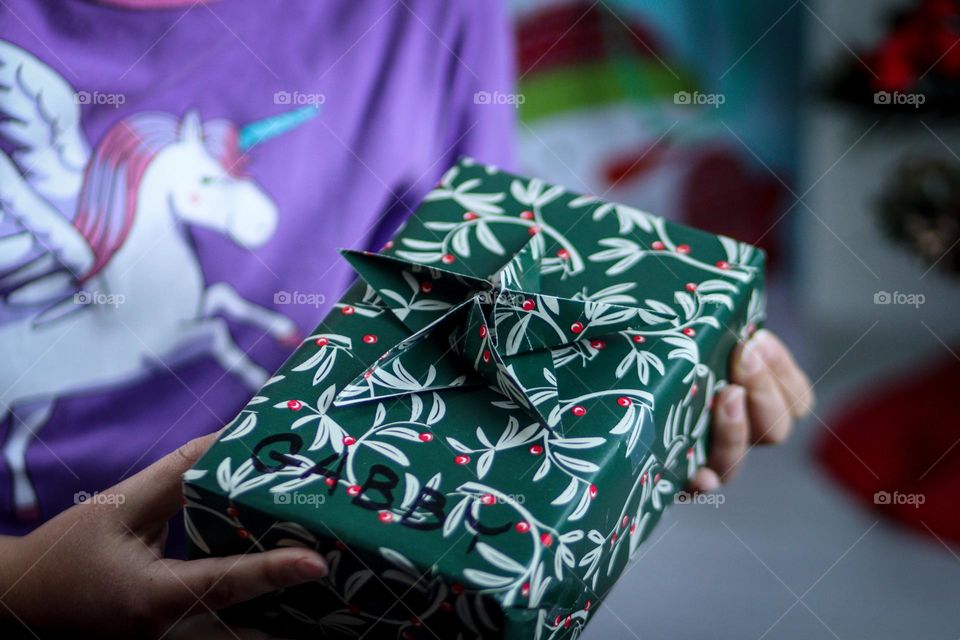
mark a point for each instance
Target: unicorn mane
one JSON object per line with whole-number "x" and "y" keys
{"x": 107, "y": 204}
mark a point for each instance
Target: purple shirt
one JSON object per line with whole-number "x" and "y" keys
{"x": 174, "y": 185}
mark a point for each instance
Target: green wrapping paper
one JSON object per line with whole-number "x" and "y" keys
{"x": 489, "y": 422}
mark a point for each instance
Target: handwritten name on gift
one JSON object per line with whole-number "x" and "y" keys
{"x": 378, "y": 492}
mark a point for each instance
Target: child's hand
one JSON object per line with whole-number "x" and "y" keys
{"x": 99, "y": 567}
{"x": 767, "y": 391}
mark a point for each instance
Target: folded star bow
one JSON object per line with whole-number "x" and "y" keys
{"x": 501, "y": 331}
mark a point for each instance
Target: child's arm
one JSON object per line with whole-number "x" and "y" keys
{"x": 99, "y": 567}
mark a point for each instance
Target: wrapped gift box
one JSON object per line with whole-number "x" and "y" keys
{"x": 489, "y": 422}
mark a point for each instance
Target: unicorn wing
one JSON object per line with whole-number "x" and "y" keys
{"x": 40, "y": 115}
{"x": 42, "y": 255}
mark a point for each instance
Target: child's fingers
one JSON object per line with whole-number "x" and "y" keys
{"x": 793, "y": 382}
{"x": 770, "y": 419}
{"x": 155, "y": 494}
{"x": 221, "y": 582}
{"x": 730, "y": 435}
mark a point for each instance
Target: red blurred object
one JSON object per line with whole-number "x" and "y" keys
{"x": 921, "y": 40}
{"x": 723, "y": 195}
{"x": 633, "y": 166}
{"x": 900, "y": 446}
{"x": 577, "y": 33}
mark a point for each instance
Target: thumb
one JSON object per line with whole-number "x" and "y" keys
{"x": 216, "y": 583}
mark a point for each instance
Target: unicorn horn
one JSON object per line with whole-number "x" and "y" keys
{"x": 253, "y": 133}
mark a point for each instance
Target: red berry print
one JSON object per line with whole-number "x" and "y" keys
{"x": 353, "y": 490}
{"x": 694, "y": 389}
{"x": 624, "y": 401}
{"x": 563, "y": 254}
{"x": 657, "y": 245}
{"x": 232, "y": 511}
{"x": 639, "y": 339}
{"x": 527, "y": 215}
{"x": 426, "y": 286}
{"x": 522, "y": 526}
{"x": 593, "y": 491}
{"x": 557, "y": 621}
{"x": 683, "y": 249}
{"x": 529, "y": 305}
{"x": 349, "y": 441}
{"x": 448, "y": 258}
{"x": 587, "y": 605}
{"x": 633, "y": 527}
{"x": 243, "y": 534}
{"x": 330, "y": 481}
{"x": 483, "y": 331}
{"x": 536, "y": 449}
{"x": 576, "y": 327}
{"x": 487, "y": 499}
{"x": 370, "y": 338}
{"x": 723, "y": 264}
{"x": 598, "y": 344}
{"x": 624, "y": 522}
{"x": 534, "y": 230}
{"x": 322, "y": 342}
{"x": 691, "y": 287}
{"x": 388, "y": 245}
{"x": 367, "y": 374}
{"x": 462, "y": 459}
{"x": 567, "y": 622}
{"x": 470, "y": 215}
{"x": 425, "y": 437}
{"x": 525, "y": 589}
{"x": 546, "y": 539}
{"x": 690, "y": 331}
{"x": 385, "y": 516}
{"x": 486, "y": 355}
{"x": 294, "y": 405}
{"x": 578, "y": 410}
{"x": 347, "y": 310}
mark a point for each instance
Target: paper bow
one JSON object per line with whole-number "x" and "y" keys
{"x": 500, "y": 331}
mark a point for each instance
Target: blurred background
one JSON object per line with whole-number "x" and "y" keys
{"x": 827, "y": 133}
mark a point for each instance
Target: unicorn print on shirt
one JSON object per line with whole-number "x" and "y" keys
{"x": 96, "y": 262}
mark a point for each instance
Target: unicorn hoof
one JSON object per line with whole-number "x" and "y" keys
{"x": 28, "y": 514}
{"x": 292, "y": 339}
